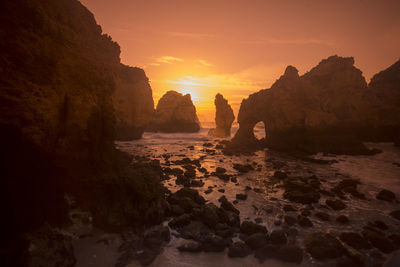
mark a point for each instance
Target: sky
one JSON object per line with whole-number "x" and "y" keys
{"x": 237, "y": 47}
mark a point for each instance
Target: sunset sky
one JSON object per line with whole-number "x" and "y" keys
{"x": 237, "y": 47}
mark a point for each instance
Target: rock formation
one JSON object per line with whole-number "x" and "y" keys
{"x": 383, "y": 110}
{"x": 174, "y": 113}
{"x": 223, "y": 117}
{"x": 322, "y": 110}
{"x": 57, "y": 76}
{"x": 133, "y": 103}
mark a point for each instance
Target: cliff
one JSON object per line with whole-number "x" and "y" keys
{"x": 57, "y": 76}
{"x": 174, "y": 113}
{"x": 224, "y": 117}
{"x": 133, "y": 103}
{"x": 383, "y": 109}
{"x": 322, "y": 110}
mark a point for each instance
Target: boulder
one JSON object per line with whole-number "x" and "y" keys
{"x": 278, "y": 237}
{"x": 386, "y": 195}
{"x": 354, "y": 240}
{"x": 174, "y": 113}
{"x": 395, "y": 214}
{"x": 238, "y": 250}
{"x": 256, "y": 240}
{"x": 335, "y": 204}
{"x": 248, "y": 227}
{"x": 378, "y": 239}
{"x": 323, "y": 246}
{"x": 223, "y": 117}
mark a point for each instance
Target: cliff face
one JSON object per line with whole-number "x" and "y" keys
{"x": 133, "y": 103}
{"x": 57, "y": 77}
{"x": 224, "y": 117}
{"x": 174, "y": 113}
{"x": 383, "y": 96}
{"x": 315, "y": 112}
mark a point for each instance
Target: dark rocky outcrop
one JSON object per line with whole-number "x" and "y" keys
{"x": 323, "y": 246}
{"x": 57, "y": 76}
{"x": 133, "y": 103}
{"x": 174, "y": 113}
{"x": 224, "y": 117}
{"x": 329, "y": 109}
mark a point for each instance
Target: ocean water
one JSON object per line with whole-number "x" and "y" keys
{"x": 376, "y": 172}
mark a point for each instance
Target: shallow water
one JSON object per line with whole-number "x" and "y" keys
{"x": 375, "y": 173}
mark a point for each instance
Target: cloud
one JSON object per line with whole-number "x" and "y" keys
{"x": 202, "y": 62}
{"x": 191, "y": 35}
{"x": 299, "y": 41}
{"x": 168, "y": 59}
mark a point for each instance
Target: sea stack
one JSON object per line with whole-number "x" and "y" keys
{"x": 174, "y": 113}
{"x": 223, "y": 117}
{"x": 133, "y": 103}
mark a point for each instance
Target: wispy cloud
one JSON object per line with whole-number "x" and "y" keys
{"x": 298, "y": 41}
{"x": 168, "y": 59}
{"x": 203, "y": 62}
{"x": 191, "y": 35}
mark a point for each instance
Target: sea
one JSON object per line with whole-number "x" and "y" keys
{"x": 265, "y": 199}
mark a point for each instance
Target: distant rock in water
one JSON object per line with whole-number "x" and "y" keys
{"x": 223, "y": 117}
{"x": 174, "y": 113}
{"x": 322, "y": 110}
{"x": 133, "y": 103}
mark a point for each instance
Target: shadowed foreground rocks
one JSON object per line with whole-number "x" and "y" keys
{"x": 328, "y": 109}
{"x": 174, "y": 113}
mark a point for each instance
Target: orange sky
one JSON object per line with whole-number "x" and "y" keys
{"x": 237, "y": 47}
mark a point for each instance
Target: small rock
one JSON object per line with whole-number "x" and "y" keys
{"x": 289, "y": 208}
{"x": 256, "y": 240}
{"x": 354, "y": 240}
{"x": 322, "y": 216}
{"x": 378, "y": 240}
{"x": 395, "y": 214}
{"x": 278, "y": 237}
{"x": 241, "y": 196}
{"x": 248, "y": 227}
{"x": 386, "y": 195}
{"x": 323, "y": 246}
{"x": 342, "y": 219}
{"x": 304, "y": 221}
{"x": 335, "y": 204}
{"x": 238, "y": 249}
{"x": 290, "y": 220}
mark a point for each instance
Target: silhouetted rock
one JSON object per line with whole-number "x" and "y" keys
{"x": 354, "y": 240}
{"x": 278, "y": 237}
{"x": 323, "y": 246}
{"x": 326, "y": 109}
{"x": 133, "y": 103}
{"x": 174, "y": 113}
{"x": 384, "y": 105}
{"x": 395, "y": 214}
{"x": 386, "y": 195}
{"x": 249, "y": 228}
{"x": 238, "y": 249}
{"x": 378, "y": 239}
{"x": 223, "y": 117}
{"x": 256, "y": 240}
